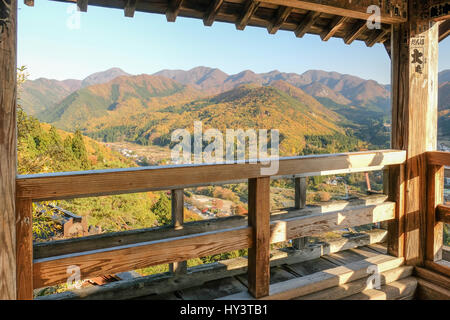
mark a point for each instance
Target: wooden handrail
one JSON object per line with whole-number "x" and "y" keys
{"x": 115, "y": 181}
{"x": 443, "y": 213}
{"x": 438, "y": 158}
{"x": 53, "y": 270}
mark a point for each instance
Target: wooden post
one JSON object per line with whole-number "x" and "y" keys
{"x": 8, "y": 66}
{"x": 24, "y": 249}
{"x": 177, "y": 221}
{"x": 414, "y": 119}
{"x": 434, "y": 229}
{"x": 300, "y": 203}
{"x": 259, "y": 221}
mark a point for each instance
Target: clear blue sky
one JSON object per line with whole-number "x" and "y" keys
{"x": 147, "y": 43}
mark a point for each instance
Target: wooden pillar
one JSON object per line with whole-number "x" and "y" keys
{"x": 177, "y": 221}
{"x": 414, "y": 56}
{"x": 259, "y": 221}
{"x": 8, "y": 65}
{"x": 24, "y": 249}
{"x": 300, "y": 203}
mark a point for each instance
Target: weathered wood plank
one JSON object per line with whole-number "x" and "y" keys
{"x": 347, "y": 289}
{"x": 24, "y": 249}
{"x": 377, "y": 36}
{"x": 8, "y": 65}
{"x": 173, "y": 10}
{"x": 434, "y": 227}
{"x": 250, "y": 8}
{"x": 444, "y": 30}
{"x": 49, "y": 271}
{"x": 326, "y": 279}
{"x": 300, "y": 202}
{"x": 306, "y": 23}
{"x": 115, "y": 181}
{"x": 393, "y": 291}
{"x": 356, "y": 9}
{"x": 165, "y": 283}
{"x": 430, "y": 291}
{"x": 441, "y": 266}
{"x": 281, "y": 16}
{"x": 212, "y": 12}
{"x": 433, "y": 277}
{"x": 259, "y": 222}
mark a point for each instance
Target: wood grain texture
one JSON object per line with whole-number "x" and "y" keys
{"x": 281, "y": 16}
{"x": 443, "y": 213}
{"x": 177, "y": 222}
{"x": 259, "y": 221}
{"x": 114, "y": 239}
{"x": 393, "y": 291}
{"x": 334, "y": 27}
{"x": 377, "y": 36}
{"x": 24, "y": 249}
{"x": 430, "y": 291}
{"x": 444, "y": 30}
{"x": 250, "y": 8}
{"x": 438, "y": 158}
{"x": 442, "y": 266}
{"x": 434, "y": 227}
{"x": 173, "y": 10}
{"x": 49, "y": 271}
{"x": 433, "y": 277}
{"x": 414, "y": 121}
{"x": 356, "y": 31}
{"x": 8, "y": 64}
{"x": 114, "y": 181}
{"x": 212, "y": 12}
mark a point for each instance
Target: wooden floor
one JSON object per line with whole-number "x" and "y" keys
{"x": 324, "y": 278}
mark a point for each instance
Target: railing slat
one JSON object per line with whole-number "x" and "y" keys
{"x": 438, "y": 158}
{"x": 177, "y": 222}
{"x": 300, "y": 203}
{"x": 24, "y": 249}
{"x": 259, "y": 221}
{"x": 434, "y": 228}
{"x": 117, "y": 181}
{"x": 443, "y": 213}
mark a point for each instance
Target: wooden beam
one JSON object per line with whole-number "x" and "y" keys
{"x": 357, "y": 30}
{"x": 434, "y": 227}
{"x": 116, "y": 181}
{"x": 444, "y": 30}
{"x": 376, "y": 37}
{"x": 24, "y": 249}
{"x": 281, "y": 16}
{"x": 8, "y": 65}
{"x": 82, "y": 5}
{"x": 29, "y": 3}
{"x": 396, "y": 227}
{"x": 259, "y": 221}
{"x": 438, "y": 158}
{"x": 49, "y": 271}
{"x": 351, "y": 9}
{"x": 114, "y": 239}
{"x": 442, "y": 267}
{"x": 430, "y": 291}
{"x": 432, "y": 277}
{"x": 414, "y": 121}
{"x": 334, "y": 27}
{"x": 437, "y": 10}
{"x": 173, "y": 10}
{"x": 130, "y": 8}
{"x": 443, "y": 213}
{"x": 250, "y": 8}
{"x": 212, "y": 12}
{"x": 177, "y": 222}
{"x": 306, "y": 23}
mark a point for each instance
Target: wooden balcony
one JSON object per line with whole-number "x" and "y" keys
{"x": 328, "y": 266}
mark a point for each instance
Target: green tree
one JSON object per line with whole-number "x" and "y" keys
{"x": 162, "y": 209}
{"x": 79, "y": 149}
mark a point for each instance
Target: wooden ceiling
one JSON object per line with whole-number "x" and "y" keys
{"x": 327, "y": 18}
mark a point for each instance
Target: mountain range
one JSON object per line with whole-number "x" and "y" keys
{"x": 114, "y": 105}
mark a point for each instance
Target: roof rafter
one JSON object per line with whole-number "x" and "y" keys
{"x": 356, "y": 31}
{"x": 307, "y": 22}
{"x": 334, "y": 27}
{"x": 173, "y": 10}
{"x": 444, "y": 30}
{"x": 282, "y": 14}
{"x": 377, "y": 37}
{"x": 345, "y": 8}
{"x": 29, "y": 3}
{"x": 82, "y": 5}
{"x": 212, "y": 12}
{"x": 130, "y": 8}
{"x": 250, "y": 8}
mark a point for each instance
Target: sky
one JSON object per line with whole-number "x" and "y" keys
{"x": 49, "y": 46}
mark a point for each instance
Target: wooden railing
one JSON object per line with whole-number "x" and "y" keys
{"x": 47, "y": 263}
{"x": 437, "y": 213}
